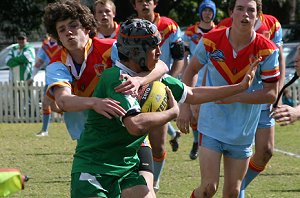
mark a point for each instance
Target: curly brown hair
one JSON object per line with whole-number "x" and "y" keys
{"x": 69, "y": 9}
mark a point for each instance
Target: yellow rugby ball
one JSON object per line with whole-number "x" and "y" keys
{"x": 153, "y": 97}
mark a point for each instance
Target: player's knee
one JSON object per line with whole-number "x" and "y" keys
{"x": 268, "y": 153}
{"x": 136, "y": 191}
{"x": 158, "y": 158}
{"x": 158, "y": 151}
{"x": 234, "y": 192}
{"x": 46, "y": 110}
{"x": 210, "y": 189}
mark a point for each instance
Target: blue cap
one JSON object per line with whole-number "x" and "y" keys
{"x": 207, "y": 4}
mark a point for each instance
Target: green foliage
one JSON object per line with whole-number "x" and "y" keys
{"x": 20, "y": 15}
{"x": 47, "y": 161}
{"x": 186, "y": 12}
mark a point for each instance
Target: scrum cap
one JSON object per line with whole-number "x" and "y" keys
{"x": 207, "y": 4}
{"x": 135, "y": 37}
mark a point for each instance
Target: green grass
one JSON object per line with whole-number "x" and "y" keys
{"x": 47, "y": 161}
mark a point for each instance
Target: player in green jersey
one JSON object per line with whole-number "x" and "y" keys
{"x": 106, "y": 163}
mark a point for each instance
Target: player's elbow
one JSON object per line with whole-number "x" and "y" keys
{"x": 270, "y": 98}
{"x": 133, "y": 127}
{"x": 136, "y": 130}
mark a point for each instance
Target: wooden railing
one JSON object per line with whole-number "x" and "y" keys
{"x": 21, "y": 103}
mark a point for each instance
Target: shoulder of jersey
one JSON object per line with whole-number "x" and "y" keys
{"x": 166, "y": 20}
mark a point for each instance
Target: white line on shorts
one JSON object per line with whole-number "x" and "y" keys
{"x": 287, "y": 153}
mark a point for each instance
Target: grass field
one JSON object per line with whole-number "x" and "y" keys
{"x": 47, "y": 161}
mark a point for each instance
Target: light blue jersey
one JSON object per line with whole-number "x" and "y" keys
{"x": 191, "y": 38}
{"x": 57, "y": 73}
{"x": 234, "y": 123}
{"x": 43, "y": 55}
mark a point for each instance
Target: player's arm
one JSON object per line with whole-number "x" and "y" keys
{"x": 66, "y": 101}
{"x": 189, "y": 77}
{"x": 187, "y": 56}
{"x": 132, "y": 84}
{"x": 37, "y": 66}
{"x": 16, "y": 61}
{"x": 177, "y": 53}
{"x": 281, "y": 69}
{"x": 267, "y": 95}
{"x": 143, "y": 123}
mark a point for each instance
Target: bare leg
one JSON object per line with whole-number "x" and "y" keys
{"x": 234, "y": 172}
{"x": 209, "y": 161}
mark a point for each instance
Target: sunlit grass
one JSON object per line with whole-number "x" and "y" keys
{"x": 47, "y": 161}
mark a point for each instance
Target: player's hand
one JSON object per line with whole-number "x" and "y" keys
{"x": 108, "y": 107}
{"x": 172, "y": 103}
{"x": 285, "y": 114}
{"x": 195, "y": 113}
{"x": 249, "y": 76}
{"x": 184, "y": 119}
{"x": 130, "y": 86}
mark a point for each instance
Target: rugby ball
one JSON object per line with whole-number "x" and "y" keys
{"x": 153, "y": 97}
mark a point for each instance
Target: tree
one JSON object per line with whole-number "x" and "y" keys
{"x": 20, "y": 15}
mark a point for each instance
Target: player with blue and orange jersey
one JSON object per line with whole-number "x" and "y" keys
{"x": 193, "y": 34}
{"x": 105, "y": 11}
{"x": 74, "y": 71}
{"x": 191, "y": 37}
{"x": 172, "y": 54}
{"x": 48, "y": 49}
{"x": 171, "y": 45}
{"x": 227, "y": 128}
{"x": 270, "y": 27}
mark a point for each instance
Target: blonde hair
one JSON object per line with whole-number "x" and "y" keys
{"x": 104, "y": 2}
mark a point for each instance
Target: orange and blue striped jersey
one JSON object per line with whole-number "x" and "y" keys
{"x": 233, "y": 68}
{"x": 83, "y": 83}
{"x": 48, "y": 50}
{"x": 234, "y": 123}
{"x": 170, "y": 33}
{"x": 192, "y": 36}
{"x": 62, "y": 72}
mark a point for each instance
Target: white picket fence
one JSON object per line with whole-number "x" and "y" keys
{"x": 20, "y": 103}
{"x": 295, "y": 92}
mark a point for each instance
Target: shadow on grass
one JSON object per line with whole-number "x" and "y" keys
{"x": 58, "y": 153}
{"x": 285, "y": 190}
{"x": 53, "y": 182}
{"x": 279, "y": 174}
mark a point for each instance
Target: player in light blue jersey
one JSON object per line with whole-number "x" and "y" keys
{"x": 75, "y": 70}
{"x": 48, "y": 49}
{"x": 227, "y": 128}
{"x": 191, "y": 37}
